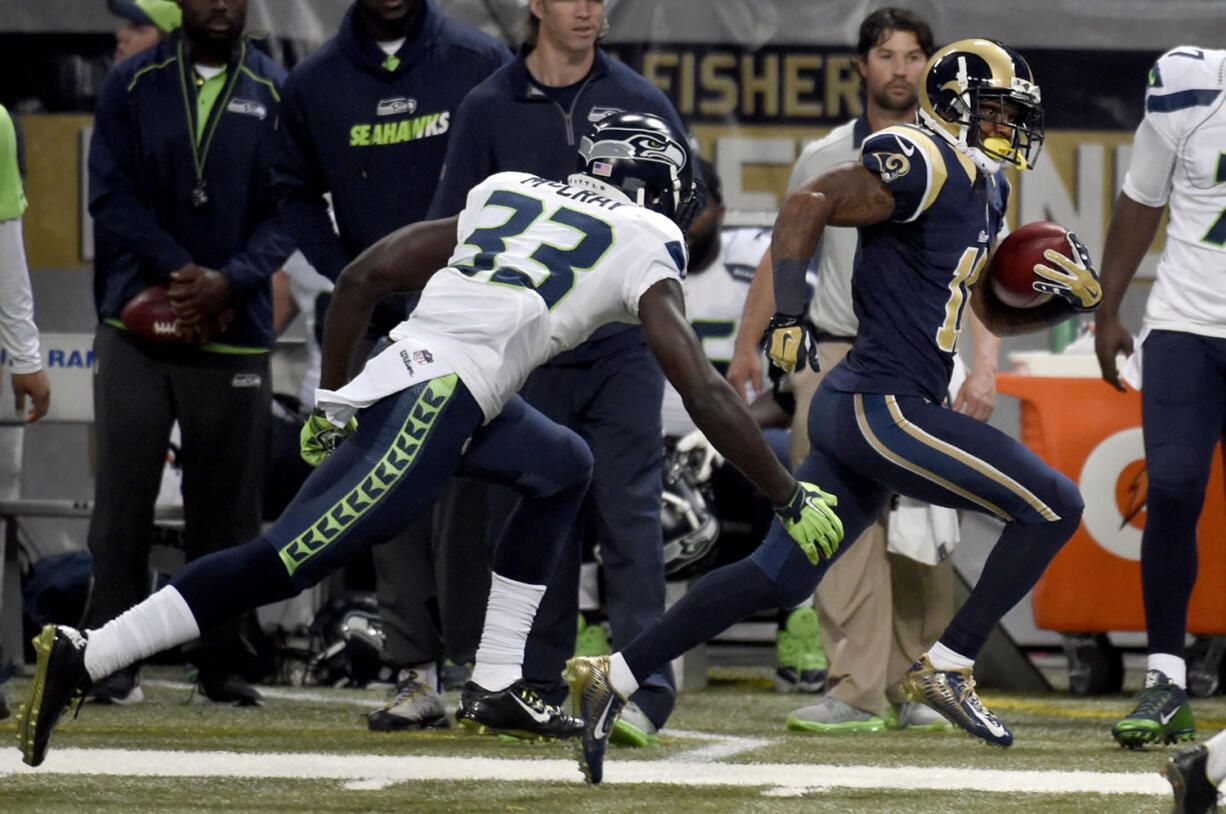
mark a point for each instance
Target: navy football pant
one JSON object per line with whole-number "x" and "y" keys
{"x": 866, "y": 446}
{"x": 1183, "y": 409}
{"x": 613, "y": 402}
{"x": 386, "y": 473}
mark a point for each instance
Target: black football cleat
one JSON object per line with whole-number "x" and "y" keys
{"x": 59, "y": 678}
{"x": 518, "y": 711}
{"x": 1194, "y": 793}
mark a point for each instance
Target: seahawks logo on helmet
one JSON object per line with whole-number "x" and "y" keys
{"x": 639, "y": 155}
{"x": 964, "y": 74}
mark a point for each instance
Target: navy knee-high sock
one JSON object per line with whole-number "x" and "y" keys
{"x": 1169, "y": 563}
{"x": 1017, "y": 561}
{"x": 227, "y": 583}
{"x": 716, "y": 602}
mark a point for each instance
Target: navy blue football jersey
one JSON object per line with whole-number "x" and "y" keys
{"x": 913, "y": 273}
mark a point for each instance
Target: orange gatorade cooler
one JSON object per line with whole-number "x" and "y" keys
{"x": 1091, "y": 432}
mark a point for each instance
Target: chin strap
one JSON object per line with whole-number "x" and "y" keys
{"x": 982, "y": 161}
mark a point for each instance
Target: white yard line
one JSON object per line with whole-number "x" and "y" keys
{"x": 380, "y": 771}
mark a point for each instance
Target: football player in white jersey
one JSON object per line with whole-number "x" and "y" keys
{"x": 1176, "y": 162}
{"x": 535, "y": 266}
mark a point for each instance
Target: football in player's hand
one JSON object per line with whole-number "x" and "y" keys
{"x": 150, "y": 315}
{"x": 1011, "y": 273}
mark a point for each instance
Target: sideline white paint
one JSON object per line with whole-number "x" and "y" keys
{"x": 379, "y": 771}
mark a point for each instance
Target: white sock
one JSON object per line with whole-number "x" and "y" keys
{"x": 508, "y": 619}
{"x": 943, "y": 658}
{"x": 619, "y": 674}
{"x": 160, "y": 622}
{"x": 1215, "y": 764}
{"x": 1170, "y": 665}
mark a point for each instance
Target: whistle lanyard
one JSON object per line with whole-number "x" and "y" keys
{"x": 201, "y": 133}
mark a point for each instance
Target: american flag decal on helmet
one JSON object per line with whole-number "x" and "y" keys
{"x": 601, "y": 168}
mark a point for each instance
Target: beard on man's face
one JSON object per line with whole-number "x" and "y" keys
{"x": 704, "y": 246}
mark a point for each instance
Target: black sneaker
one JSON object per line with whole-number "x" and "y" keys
{"x": 1194, "y": 792}
{"x": 227, "y": 688}
{"x": 121, "y": 687}
{"x": 59, "y": 678}
{"x": 1162, "y": 714}
{"x": 598, "y": 705}
{"x": 410, "y": 705}
{"x": 518, "y": 711}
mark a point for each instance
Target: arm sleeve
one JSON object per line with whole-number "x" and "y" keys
{"x": 18, "y": 334}
{"x": 299, "y": 186}
{"x": 468, "y": 162}
{"x": 114, "y": 195}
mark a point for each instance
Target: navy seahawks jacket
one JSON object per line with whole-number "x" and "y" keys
{"x": 372, "y": 131}
{"x": 508, "y": 123}
{"x": 142, "y": 175}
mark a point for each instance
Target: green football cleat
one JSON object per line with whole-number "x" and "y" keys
{"x": 801, "y": 661}
{"x": 59, "y": 678}
{"x": 1162, "y": 715}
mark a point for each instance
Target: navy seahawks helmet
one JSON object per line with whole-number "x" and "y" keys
{"x": 963, "y": 74}
{"x": 690, "y": 526}
{"x": 639, "y": 154}
{"x": 347, "y": 642}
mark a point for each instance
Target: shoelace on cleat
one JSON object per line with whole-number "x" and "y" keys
{"x": 1150, "y": 702}
{"x": 404, "y": 690}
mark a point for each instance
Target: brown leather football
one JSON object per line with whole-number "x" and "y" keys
{"x": 149, "y": 315}
{"x": 1012, "y": 271}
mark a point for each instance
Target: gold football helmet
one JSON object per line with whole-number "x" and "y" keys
{"x": 964, "y": 74}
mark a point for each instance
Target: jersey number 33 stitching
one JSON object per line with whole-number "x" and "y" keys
{"x": 560, "y": 264}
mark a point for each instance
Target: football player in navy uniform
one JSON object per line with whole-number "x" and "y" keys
{"x": 929, "y": 199}
{"x": 531, "y": 268}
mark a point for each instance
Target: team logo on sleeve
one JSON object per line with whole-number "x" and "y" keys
{"x": 891, "y": 166}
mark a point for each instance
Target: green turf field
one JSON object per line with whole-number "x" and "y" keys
{"x": 307, "y": 750}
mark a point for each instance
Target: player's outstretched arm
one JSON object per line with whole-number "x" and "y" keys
{"x": 402, "y": 261}
{"x": 724, "y": 418}
{"x": 1132, "y": 230}
{"x": 848, "y": 195}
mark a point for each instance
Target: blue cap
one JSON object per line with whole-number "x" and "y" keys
{"x": 164, "y": 14}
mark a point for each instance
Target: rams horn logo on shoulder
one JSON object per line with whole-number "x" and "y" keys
{"x": 892, "y": 166}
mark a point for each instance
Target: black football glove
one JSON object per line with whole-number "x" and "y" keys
{"x": 790, "y": 343}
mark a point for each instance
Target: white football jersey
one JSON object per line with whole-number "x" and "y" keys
{"x": 714, "y": 301}
{"x": 539, "y": 265}
{"x": 1177, "y": 160}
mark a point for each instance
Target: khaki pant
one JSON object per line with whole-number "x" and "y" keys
{"x": 878, "y": 611}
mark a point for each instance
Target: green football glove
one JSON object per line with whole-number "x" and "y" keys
{"x": 790, "y": 344}
{"x": 811, "y": 521}
{"x": 319, "y": 437}
{"x": 1075, "y": 280}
